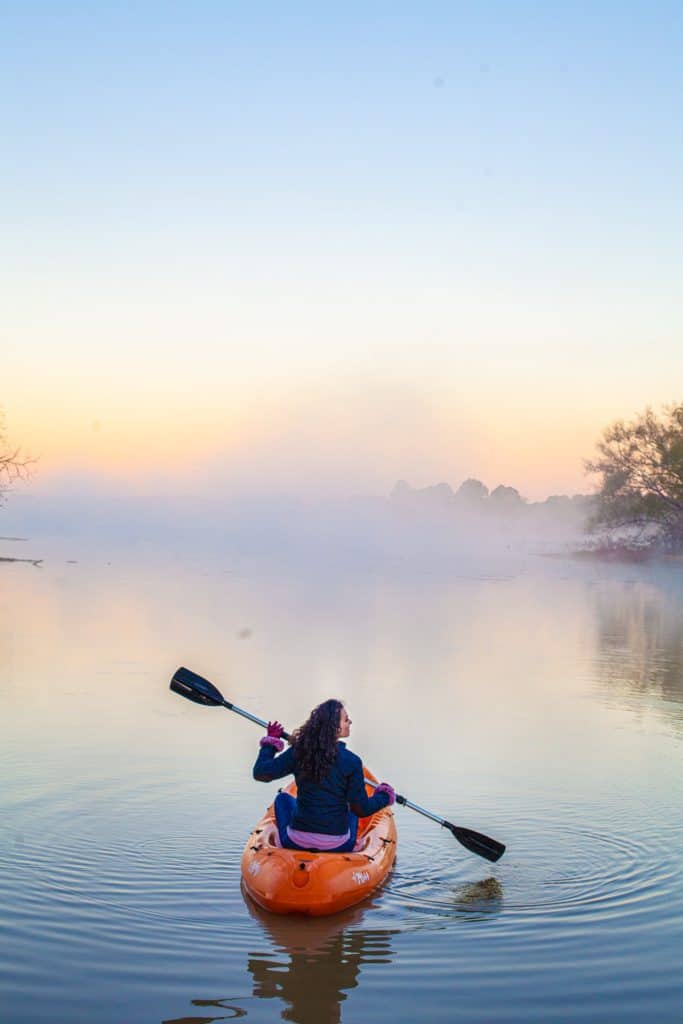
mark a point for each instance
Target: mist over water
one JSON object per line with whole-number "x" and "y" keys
{"x": 304, "y": 533}
{"x": 537, "y": 699}
{"x": 261, "y": 259}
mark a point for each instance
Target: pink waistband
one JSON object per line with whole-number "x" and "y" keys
{"x": 316, "y": 840}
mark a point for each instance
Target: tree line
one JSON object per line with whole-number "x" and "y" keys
{"x": 638, "y": 502}
{"x": 637, "y": 505}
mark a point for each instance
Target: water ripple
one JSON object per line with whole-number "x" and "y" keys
{"x": 559, "y": 870}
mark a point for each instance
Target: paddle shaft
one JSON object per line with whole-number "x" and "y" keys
{"x": 415, "y": 807}
{"x": 403, "y": 800}
{"x": 476, "y": 843}
{"x": 201, "y": 691}
{"x": 285, "y": 735}
{"x": 252, "y": 718}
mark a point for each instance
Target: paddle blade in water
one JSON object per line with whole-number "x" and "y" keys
{"x": 201, "y": 691}
{"x": 477, "y": 843}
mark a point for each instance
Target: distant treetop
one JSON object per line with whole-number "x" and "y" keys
{"x": 640, "y": 493}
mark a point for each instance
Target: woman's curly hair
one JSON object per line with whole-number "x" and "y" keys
{"x": 315, "y": 742}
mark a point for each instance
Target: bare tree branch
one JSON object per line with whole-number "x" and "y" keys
{"x": 14, "y": 464}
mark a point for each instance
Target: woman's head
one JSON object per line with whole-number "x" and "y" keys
{"x": 316, "y": 740}
{"x": 344, "y": 724}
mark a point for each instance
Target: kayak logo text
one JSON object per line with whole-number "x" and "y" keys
{"x": 361, "y": 877}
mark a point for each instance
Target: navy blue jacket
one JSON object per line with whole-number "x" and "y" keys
{"x": 322, "y": 806}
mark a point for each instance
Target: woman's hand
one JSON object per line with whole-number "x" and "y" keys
{"x": 384, "y": 787}
{"x": 273, "y": 737}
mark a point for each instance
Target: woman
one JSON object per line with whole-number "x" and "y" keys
{"x": 331, "y": 794}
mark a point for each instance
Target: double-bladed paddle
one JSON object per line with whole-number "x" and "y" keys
{"x": 201, "y": 691}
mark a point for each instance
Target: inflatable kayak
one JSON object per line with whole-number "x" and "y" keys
{"x": 298, "y": 882}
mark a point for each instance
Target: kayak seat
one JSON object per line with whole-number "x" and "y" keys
{"x": 271, "y": 838}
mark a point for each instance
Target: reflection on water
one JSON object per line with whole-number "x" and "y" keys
{"x": 309, "y": 966}
{"x": 231, "y": 1013}
{"x": 507, "y": 708}
{"x": 640, "y": 646}
{"x": 315, "y": 961}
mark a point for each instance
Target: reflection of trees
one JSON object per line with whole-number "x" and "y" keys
{"x": 315, "y": 962}
{"x": 640, "y": 639}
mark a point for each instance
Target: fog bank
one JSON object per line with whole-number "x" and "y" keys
{"x": 409, "y": 528}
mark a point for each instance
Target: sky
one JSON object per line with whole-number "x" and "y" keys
{"x": 254, "y": 248}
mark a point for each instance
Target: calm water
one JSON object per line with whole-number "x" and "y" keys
{"x": 537, "y": 700}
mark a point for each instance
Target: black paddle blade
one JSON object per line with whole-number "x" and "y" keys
{"x": 477, "y": 843}
{"x": 201, "y": 691}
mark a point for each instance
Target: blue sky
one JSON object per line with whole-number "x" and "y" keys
{"x": 299, "y": 223}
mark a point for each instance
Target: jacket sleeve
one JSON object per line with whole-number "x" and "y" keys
{"x": 270, "y": 766}
{"x": 359, "y": 801}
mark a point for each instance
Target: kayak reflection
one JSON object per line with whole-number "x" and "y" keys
{"x": 315, "y": 961}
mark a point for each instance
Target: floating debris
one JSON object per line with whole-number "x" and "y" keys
{"x": 486, "y": 890}
{"x": 31, "y": 561}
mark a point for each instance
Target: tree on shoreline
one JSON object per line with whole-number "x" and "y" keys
{"x": 641, "y": 488}
{"x": 14, "y": 465}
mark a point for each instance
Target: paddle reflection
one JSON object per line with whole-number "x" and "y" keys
{"x": 315, "y": 961}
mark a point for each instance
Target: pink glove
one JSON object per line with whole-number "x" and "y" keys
{"x": 273, "y": 737}
{"x": 384, "y": 787}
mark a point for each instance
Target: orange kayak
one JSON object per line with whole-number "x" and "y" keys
{"x": 298, "y": 882}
